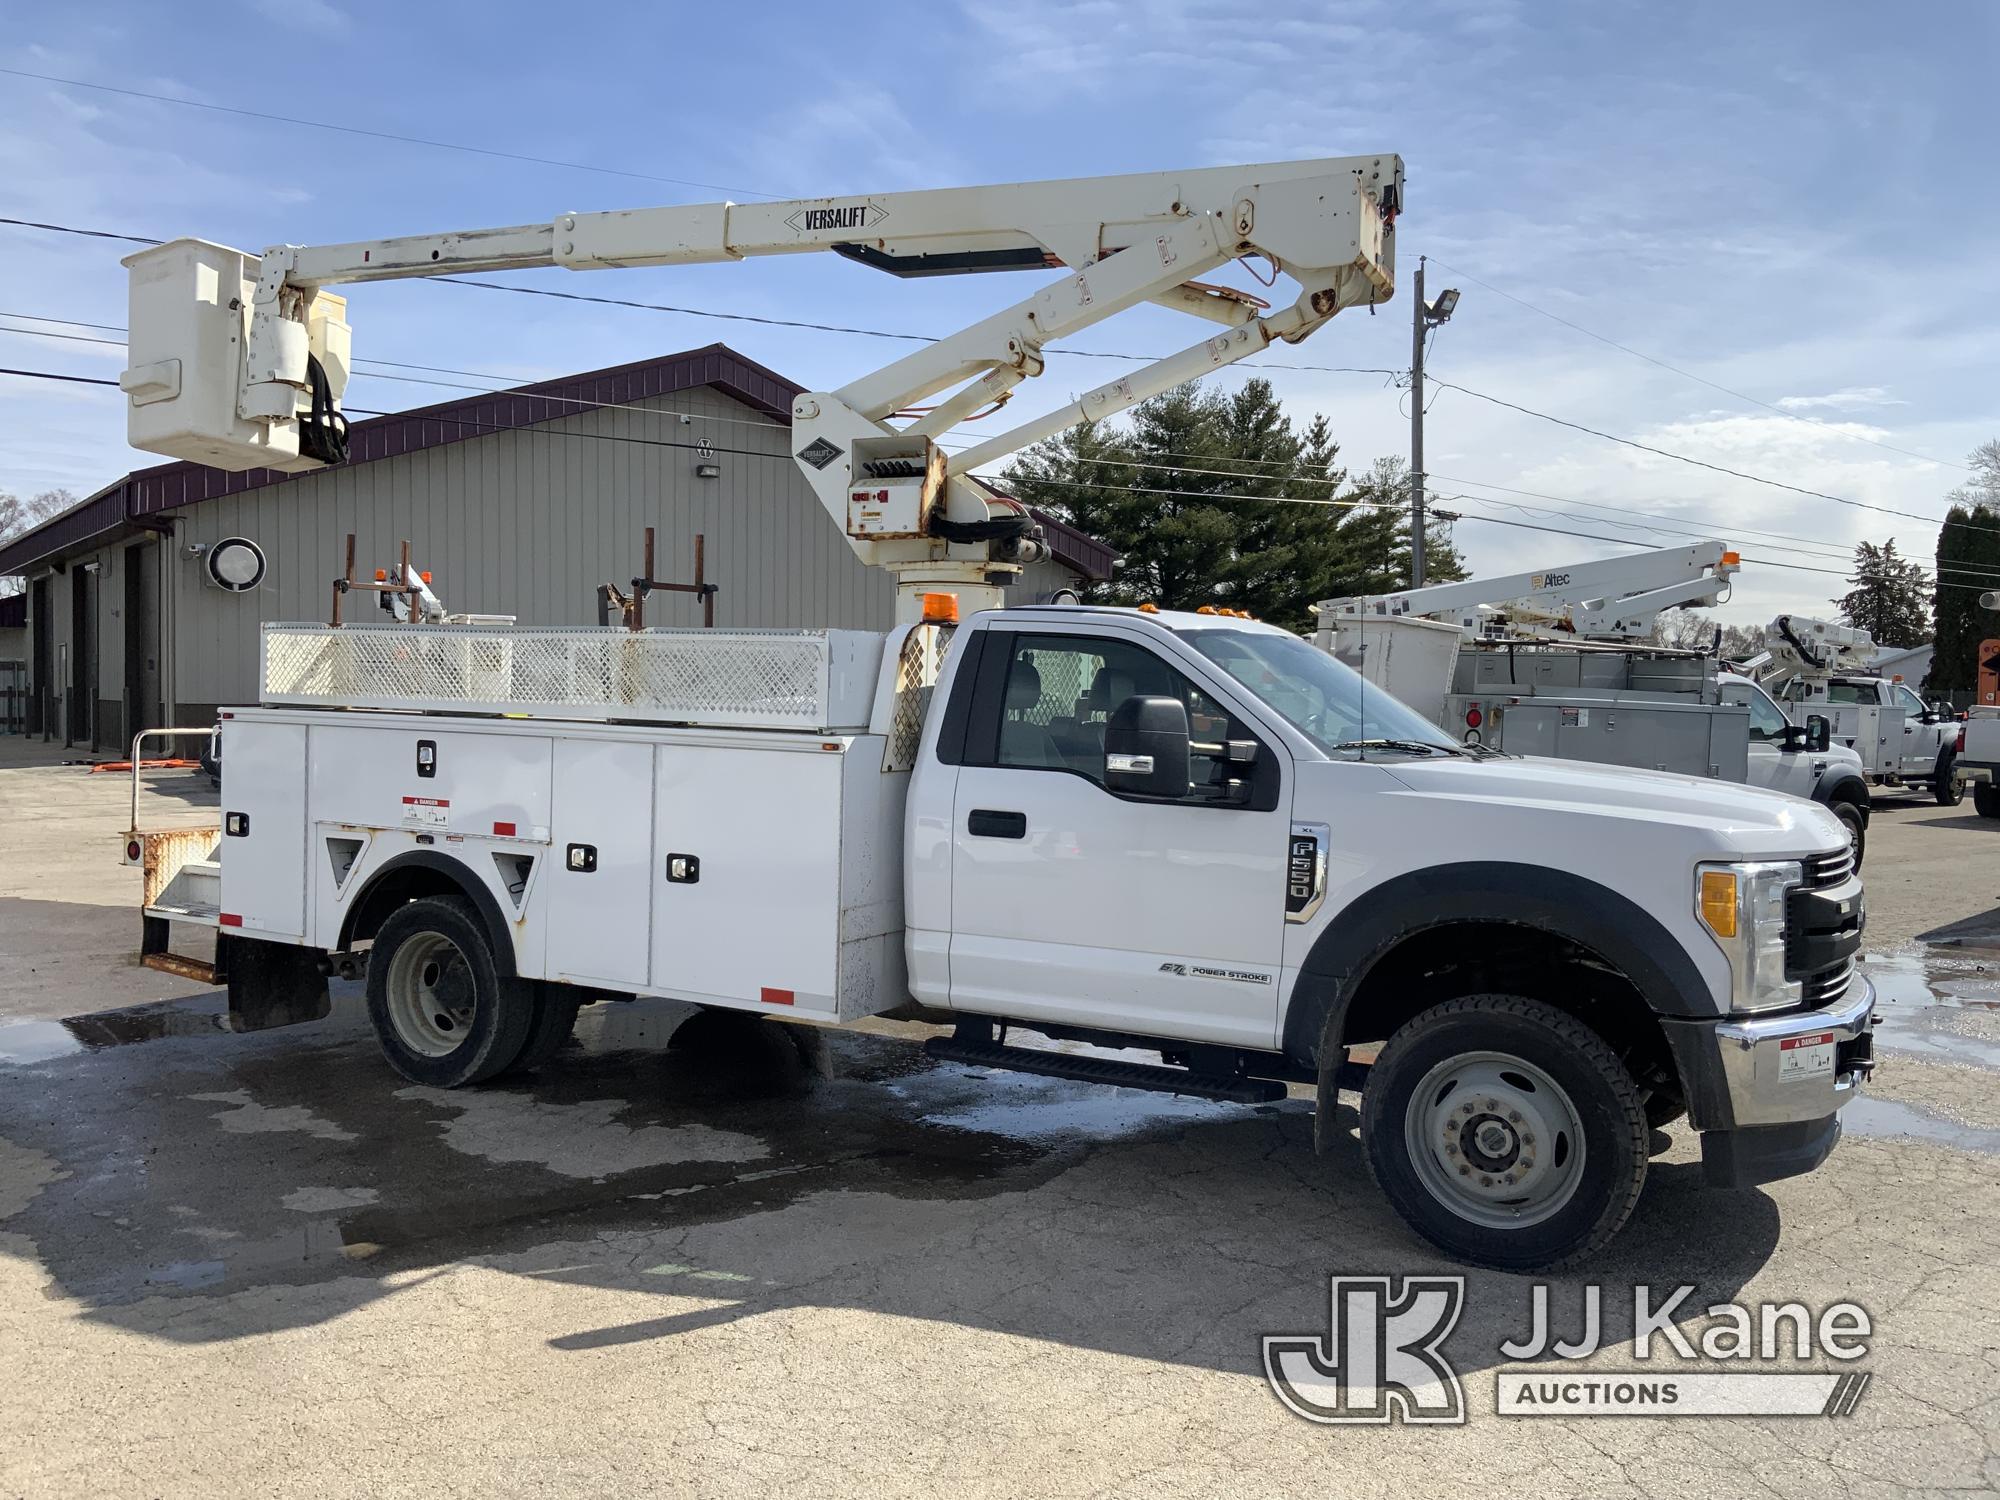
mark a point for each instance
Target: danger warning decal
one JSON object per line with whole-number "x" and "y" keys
{"x": 427, "y": 812}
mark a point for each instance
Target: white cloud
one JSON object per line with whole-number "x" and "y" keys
{"x": 1853, "y": 398}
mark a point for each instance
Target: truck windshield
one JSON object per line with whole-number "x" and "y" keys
{"x": 1325, "y": 701}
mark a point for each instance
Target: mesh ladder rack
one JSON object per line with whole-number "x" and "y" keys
{"x": 806, "y": 680}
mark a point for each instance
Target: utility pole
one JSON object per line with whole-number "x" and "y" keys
{"x": 1419, "y": 326}
{"x": 1424, "y": 316}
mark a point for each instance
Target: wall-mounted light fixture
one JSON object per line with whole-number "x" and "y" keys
{"x": 708, "y": 469}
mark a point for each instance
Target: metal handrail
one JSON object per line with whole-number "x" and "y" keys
{"x": 139, "y": 739}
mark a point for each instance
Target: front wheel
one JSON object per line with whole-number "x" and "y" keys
{"x": 1947, "y": 786}
{"x": 1505, "y": 1132}
{"x": 1856, "y": 826}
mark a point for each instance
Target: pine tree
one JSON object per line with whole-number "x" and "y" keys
{"x": 1968, "y": 562}
{"x": 1217, "y": 499}
{"x": 1890, "y": 598}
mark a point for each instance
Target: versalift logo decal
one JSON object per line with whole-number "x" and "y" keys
{"x": 841, "y": 216}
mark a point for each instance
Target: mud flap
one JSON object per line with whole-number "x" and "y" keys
{"x": 271, "y": 984}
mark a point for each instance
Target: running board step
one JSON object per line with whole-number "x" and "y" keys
{"x": 1127, "y": 1075}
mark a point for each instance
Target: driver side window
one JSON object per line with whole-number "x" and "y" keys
{"x": 1058, "y": 693}
{"x": 1767, "y": 725}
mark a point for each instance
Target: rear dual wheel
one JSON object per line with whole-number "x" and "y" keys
{"x": 1986, "y": 799}
{"x": 443, "y": 1012}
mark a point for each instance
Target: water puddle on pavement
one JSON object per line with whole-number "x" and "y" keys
{"x": 25, "y": 1042}
{"x": 1937, "y": 1005}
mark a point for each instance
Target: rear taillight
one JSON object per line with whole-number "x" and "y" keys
{"x": 1473, "y": 718}
{"x": 1959, "y": 748}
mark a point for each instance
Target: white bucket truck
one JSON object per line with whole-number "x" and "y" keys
{"x": 1185, "y": 834}
{"x": 1559, "y": 662}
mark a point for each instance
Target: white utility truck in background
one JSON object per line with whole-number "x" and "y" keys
{"x": 1559, "y": 662}
{"x": 1818, "y": 667}
{"x": 1189, "y": 834}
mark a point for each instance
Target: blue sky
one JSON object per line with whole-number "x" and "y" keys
{"x": 1795, "y": 201}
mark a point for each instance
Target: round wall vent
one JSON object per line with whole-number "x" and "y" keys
{"x": 235, "y": 563}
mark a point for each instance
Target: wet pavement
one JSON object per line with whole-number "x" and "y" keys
{"x": 710, "y": 1256}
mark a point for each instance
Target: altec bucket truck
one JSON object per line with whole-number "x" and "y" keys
{"x": 1560, "y": 662}
{"x": 1185, "y": 833}
{"x": 1819, "y": 667}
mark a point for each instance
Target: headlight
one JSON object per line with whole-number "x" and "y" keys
{"x": 1743, "y": 907}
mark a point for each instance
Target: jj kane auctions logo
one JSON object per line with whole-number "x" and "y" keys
{"x": 1382, "y": 1358}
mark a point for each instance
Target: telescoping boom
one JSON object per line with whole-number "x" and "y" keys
{"x": 240, "y": 361}
{"x": 1615, "y": 598}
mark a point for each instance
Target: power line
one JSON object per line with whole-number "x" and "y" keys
{"x": 879, "y": 333}
{"x": 1702, "y": 463}
{"x": 1713, "y": 385}
{"x": 1336, "y": 503}
{"x": 382, "y": 135}
{"x": 697, "y": 312}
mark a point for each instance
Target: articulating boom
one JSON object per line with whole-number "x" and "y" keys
{"x": 1617, "y": 598}
{"x": 240, "y": 361}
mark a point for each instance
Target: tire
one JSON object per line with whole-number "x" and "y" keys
{"x": 1578, "y": 1094}
{"x": 1857, "y": 829}
{"x": 1945, "y": 786}
{"x": 1986, "y": 799}
{"x": 444, "y": 1015}
{"x": 554, "y": 1018}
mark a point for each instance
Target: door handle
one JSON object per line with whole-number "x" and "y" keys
{"x": 985, "y": 823}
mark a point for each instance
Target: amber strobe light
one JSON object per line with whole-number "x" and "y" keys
{"x": 940, "y": 609}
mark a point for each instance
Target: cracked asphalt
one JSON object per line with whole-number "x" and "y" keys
{"x": 724, "y": 1260}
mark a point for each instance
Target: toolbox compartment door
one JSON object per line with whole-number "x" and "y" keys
{"x": 263, "y": 848}
{"x": 756, "y": 919}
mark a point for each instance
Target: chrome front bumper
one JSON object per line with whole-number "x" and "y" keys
{"x": 1776, "y": 1070}
{"x": 1770, "y": 1069}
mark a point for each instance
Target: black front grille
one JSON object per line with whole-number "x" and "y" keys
{"x": 1823, "y": 932}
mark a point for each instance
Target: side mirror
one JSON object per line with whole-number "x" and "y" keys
{"x": 1819, "y": 733}
{"x": 1146, "y": 748}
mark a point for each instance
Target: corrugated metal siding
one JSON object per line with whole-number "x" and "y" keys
{"x": 529, "y": 523}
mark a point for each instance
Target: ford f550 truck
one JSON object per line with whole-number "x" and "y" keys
{"x": 1182, "y": 834}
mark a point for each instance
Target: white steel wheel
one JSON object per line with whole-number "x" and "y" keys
{"x": 444, "y": 1013}
{"x": 1506, "y": 1132}
{"x": 431, "y": 994}
{"x": 1495, "y": 1139}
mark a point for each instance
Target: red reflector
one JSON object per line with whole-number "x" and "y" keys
{"x": 230, "y": 919}
{"x": 1474, "y": 718}
{"x": 132, "y": 851}
{"x": 504, "y": 830}
{"x": 776, "y": 997}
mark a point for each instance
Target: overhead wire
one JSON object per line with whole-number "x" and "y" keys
{"x": 381, "y": 135}
{"x": 1714, "y": 385}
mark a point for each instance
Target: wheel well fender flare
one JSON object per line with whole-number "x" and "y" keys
{"x": 426, "y": 872}
{"x": 1616, "y": 929}
{"x": 1844, "y": 785}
